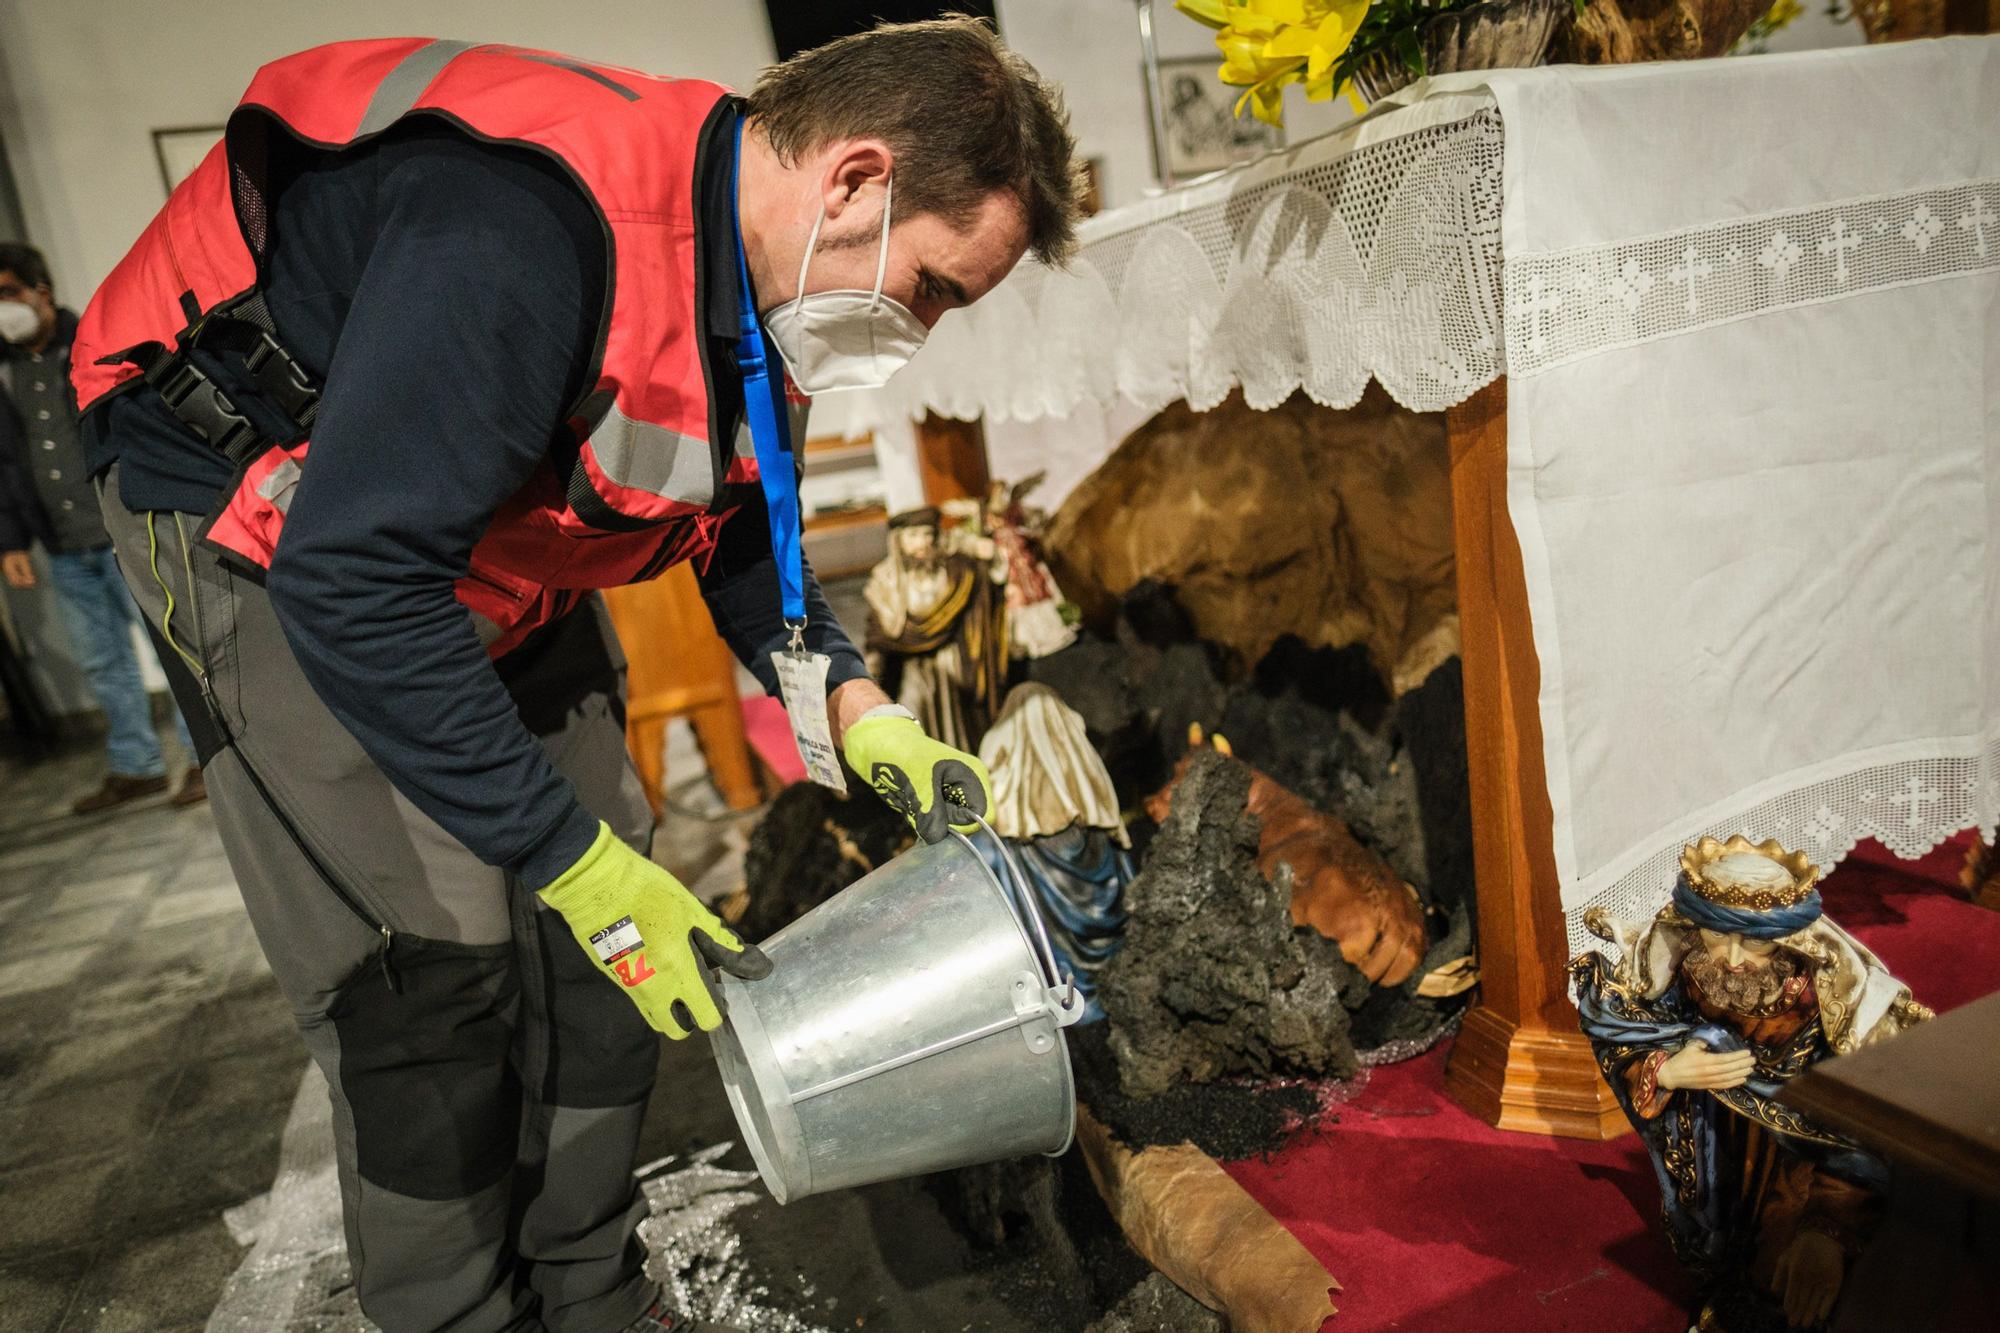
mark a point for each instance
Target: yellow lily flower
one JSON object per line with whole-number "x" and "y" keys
{"x": 1782, "y": 13}
{"x": 1243, "y": 58}
{"x": 1214, "y": 13}
{"x": 1267, "y": 99}
{"x": 1268, "y": 44}
{"x": 1317, "y": 45}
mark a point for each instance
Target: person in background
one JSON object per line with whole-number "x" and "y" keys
{"x": 46, "y": 496}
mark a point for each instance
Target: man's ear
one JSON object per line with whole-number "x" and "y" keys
{"x": 853, "y": 165}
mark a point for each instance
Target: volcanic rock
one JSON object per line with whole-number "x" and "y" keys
{"x": 1214, "y": 980}
{"x": 811, "y": 844}
{"x": 1230, "y": 1120}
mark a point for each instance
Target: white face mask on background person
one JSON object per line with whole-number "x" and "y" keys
{"x": 845, "y": 339}
{"x": 18, "y": 322}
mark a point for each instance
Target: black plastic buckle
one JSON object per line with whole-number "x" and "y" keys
{"x": 281, "y": 378}
{"x": 204, "y": 408}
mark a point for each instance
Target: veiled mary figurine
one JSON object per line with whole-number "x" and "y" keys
{"x": 1736, "y": 986}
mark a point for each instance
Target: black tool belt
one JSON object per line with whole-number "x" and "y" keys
{"x": 242, "y": 327}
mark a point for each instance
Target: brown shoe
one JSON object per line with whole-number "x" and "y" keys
{"x": 117, "y": 790}
{"x": 194, "y": 788}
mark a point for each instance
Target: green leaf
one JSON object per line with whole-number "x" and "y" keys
{"x": 1411, "y": 51}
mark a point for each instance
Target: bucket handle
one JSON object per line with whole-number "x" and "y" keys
{"x": 1020, "y": 901}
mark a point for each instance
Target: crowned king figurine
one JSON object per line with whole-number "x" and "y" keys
{"x": 1736, "y": 986}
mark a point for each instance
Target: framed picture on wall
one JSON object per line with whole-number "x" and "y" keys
{"x": 1202, "y": 134}
{"x": 181, "y": 149}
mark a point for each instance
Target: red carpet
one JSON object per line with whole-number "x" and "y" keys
{"x": 1434, "y": 1221}
{"x": 1916, "y": 919}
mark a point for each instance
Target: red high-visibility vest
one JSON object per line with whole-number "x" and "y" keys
{"x": 645, "y": 483}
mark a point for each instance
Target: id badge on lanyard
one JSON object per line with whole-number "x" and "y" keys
{"x": 801, "y": 675}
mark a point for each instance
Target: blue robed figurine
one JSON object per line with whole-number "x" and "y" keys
{"x": 1737, "y": 985}
{"x": 1054, "y": 803}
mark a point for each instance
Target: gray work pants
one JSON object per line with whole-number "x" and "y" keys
{"x": 487, "y": 1082}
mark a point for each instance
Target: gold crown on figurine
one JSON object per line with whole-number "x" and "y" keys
{"x": 1750, "y": 876}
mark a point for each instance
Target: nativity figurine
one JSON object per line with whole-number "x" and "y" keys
{"x": 937, "y": 620}
{"x": 1036, "y": 622}
{"x": 1054, "y": 804}
{"x": 1737, "y": 986}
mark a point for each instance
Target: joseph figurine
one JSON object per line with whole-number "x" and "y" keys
{"x": 1739, "y": 984}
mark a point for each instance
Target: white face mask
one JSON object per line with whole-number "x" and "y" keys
{"x": 845, "y": 339}
{"x": 18, "y": 322}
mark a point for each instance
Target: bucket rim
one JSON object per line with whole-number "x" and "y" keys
{"x": 743, "y": 1056}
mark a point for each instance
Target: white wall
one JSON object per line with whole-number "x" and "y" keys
{"x": 1091, "y": 48}
{"x": 1814, "y": 30}
{"x": 83, "y": 83}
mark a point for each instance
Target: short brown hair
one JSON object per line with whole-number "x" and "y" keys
{"x": 964, "y": 116}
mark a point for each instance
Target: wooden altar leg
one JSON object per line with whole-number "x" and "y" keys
{"x": 951, "y": 458}
{"x": 1520, "y": 1062}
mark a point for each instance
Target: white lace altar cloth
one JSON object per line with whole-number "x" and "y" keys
{"x": 1372, "y": 252}
{"x": 1753, "y": 424}
{"x": 1750, "y": 316}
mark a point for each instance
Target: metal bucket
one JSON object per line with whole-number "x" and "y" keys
{"x": 911, "y": 1023}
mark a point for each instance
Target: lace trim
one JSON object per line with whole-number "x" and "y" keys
{"x": 1910, "y": 806}
{"x": 1342, "y": 263}
{"x": 1569, "y": 304}
{"x": 1316, "y": 272}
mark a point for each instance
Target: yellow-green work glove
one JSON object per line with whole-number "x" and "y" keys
{"x": 921, "y": 777}
{"x": 650, "y": 935}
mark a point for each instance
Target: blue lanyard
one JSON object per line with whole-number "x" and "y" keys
{"x": 770, "y": 433}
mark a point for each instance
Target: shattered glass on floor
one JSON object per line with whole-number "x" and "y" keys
{"x": 695, "y": 1254}
{"x": 295, "y": 1278}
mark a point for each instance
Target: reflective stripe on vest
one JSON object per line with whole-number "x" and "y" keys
{"x": 397, "y": 94}
{"x": 644, "y": 457}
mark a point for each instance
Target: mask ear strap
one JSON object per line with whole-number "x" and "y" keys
{"x": 882, "y": 256}
{"x": 812, "y": 243}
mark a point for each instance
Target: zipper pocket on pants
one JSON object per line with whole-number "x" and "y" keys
{"x": 340, "y": 891}
{"x": 348, "y": 900}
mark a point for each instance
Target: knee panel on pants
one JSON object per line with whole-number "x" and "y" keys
{"x": 426, "y": 1069}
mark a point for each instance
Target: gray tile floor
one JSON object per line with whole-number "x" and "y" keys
{"x": 147, "y": 1059}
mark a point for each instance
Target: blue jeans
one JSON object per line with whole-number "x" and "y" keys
{"x": 100, "y": 614}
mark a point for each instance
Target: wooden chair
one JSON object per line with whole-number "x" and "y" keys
{"x": 678, "y": 666}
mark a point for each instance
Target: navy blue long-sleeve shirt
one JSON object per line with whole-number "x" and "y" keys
{"x": 447, "y": 294}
